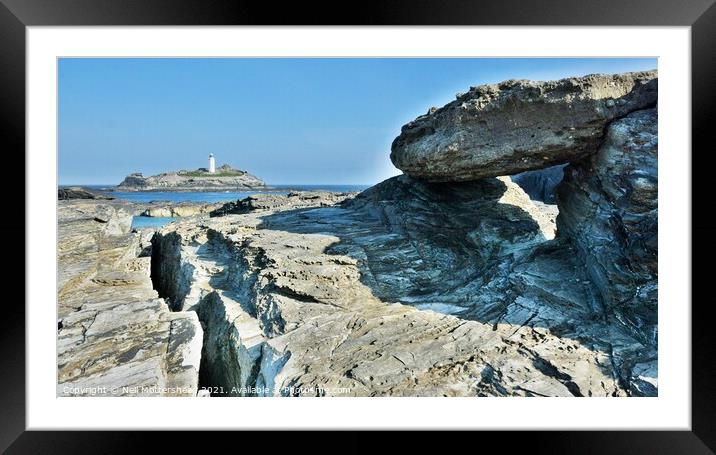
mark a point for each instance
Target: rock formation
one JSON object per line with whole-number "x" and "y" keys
{"x": 225, "y": 178}
{"x": 608, "y": 209}
{"x": 541, "y": 184}
{"x": 76, "y": 192}
{"x": 516, "y": 126}
{"x": 447, "y": 281}
{"x": 357, "y": 299}
{"x": 181, "y": 209}
{"x": 115, "y": 336}
{"x": 293, "y": 200}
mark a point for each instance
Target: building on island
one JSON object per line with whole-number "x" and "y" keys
{"x": 212, "y": 164}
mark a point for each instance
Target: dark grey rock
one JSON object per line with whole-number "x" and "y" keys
{"x": 76, "y": 192}
{"x": 608, "y": 209}
{"x": 293, "y": 200}
{"x": 541, "y": 184}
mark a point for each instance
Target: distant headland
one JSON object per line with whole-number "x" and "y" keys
{"x": 225, "y": 177}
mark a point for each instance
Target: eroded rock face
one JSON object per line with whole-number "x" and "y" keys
{"x": 91, "y": 236}
{"x": 115, "y": 336}
{"x": 516, "y": 126}
{"x": 412, "y": 289}
{"x": 608, "y": 209}
{"x": 444, "y": 241}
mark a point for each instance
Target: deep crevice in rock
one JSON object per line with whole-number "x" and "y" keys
{"x": 170, "y": 278}
{"x": 232, "y": 363}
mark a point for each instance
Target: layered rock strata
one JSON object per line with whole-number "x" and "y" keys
{"x": 609, "y": 210}
{"x": 293, "y": 200}
{"x": 409, "y": 289}
{"x": 518, "y": 125}
{"x": 445, "y": 281}
{"x": 115, "y": 336}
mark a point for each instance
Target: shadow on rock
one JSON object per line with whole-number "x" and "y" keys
{"x": 426, "y": 244}
{"x": 478, "y": 250}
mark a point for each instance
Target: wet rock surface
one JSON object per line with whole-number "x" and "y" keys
{"x": 518, "y": 125}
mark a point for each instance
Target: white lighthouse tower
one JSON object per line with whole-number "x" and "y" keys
{"x": 212, "y": 164}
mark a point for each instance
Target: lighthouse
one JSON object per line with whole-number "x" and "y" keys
{"x": 212, "y": 164}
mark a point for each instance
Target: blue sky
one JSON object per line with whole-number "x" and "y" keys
{"x": 288, "y": 121}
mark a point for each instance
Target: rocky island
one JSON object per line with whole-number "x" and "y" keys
{"x": 449, "y": 280}
{"x": 224, "y": 178}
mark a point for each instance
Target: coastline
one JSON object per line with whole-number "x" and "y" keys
{"x": 447, "y": 280}
{"x": 109, "y": 188}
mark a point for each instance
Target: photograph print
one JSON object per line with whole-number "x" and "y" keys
{"x": 357, "y": 227}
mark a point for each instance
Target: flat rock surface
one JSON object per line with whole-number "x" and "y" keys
{"x": 518, "y": 125}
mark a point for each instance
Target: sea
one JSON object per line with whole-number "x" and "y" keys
{"x": 203, "y": 197}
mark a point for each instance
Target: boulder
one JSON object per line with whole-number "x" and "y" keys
{"x": 608, "y": 210}
{"x": 518, "y": 125}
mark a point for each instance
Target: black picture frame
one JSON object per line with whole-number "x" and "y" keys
{"x": 700, "y": 15}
